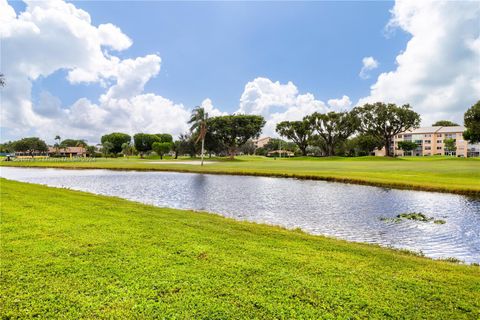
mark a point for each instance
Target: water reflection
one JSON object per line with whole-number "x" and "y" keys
{"x": 347, "y": 211}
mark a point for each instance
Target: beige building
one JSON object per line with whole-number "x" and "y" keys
{"x": 261, "y": 142}
{"x": 431, "y": 141}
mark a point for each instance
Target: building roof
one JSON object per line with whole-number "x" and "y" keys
{"x": 423, "y": 130}
{"x": 436, "y": 129}
{"x": 452, "y": 129}
{"x": 67, "y": 150}
{"x": 261, "y": 139}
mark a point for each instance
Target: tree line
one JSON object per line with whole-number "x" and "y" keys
{"x": 354, "y": 133}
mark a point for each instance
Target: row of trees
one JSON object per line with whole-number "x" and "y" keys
{"x": 365, "y": 128}
{"x": 357, "y": 132}
{"x": 376, "y": 125}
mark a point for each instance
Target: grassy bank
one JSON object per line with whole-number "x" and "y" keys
{"x": 444, "y": 174}
{"x": 73, "y": 254}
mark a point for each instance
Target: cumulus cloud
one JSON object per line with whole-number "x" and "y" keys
{"x": 368, "y": 64}
{"x": 277, "y": 102}
{"x": 340, "y": 104}
{"x": 53, "y": 35}
{"x": 210, "y": 109}
{"x": 438, "y": 72}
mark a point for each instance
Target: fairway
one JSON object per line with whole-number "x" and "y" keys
{"x": 84, "y": 256}
{"x": 445, "y": 174}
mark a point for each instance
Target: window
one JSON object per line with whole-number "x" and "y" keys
{"x": 439, "y": 135}
{"x": 428, "y": 141}
{"x": 439, "y": 148}
{"x": 400, "y": 136}
{"x": 428, "y": 148}
{"x": 427, "y": 135}
{"x": 439, "y": 141}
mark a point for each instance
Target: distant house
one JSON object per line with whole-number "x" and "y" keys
{"x": 280, "y": 153}
{"x": 262, "y": 142}
{"x": 67, "y": 152}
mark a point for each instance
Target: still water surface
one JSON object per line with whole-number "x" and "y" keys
{"x": 346, "y": 211}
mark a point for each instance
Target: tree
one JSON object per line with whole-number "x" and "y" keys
{"x": 407, "y": 146}
{"x": 72, "y": 143}
{"x": 362, "y": 145}
{"x": 198, "y": 121}
{"x": 472, "y": 123}
{"x": 117, "y": 139}
{"x": 143, "y": 142}
{"x": 445, "y": 123}
{"x": 234, "y": 130}
{"x": 165, "y": 137}
{"x": 384, "y": 121}
{"x": 30, "y": 145}
{"x": 279, "y": 144}
{"x": 6, "y": 147}
{"x": 90, "y": 151}
{"x": 248, "y": 147}
{"x": 162, "y": 148}
{"x": 2, "y": 80}
{"x": 57, "y": 143}
{"x": 299, "y": 132}
{"x": 185, "y": 145}
{"x": 450, "y": 145}
{"x": 333, "y": 128}
{"x": 128, "y": 149}
{"x": 107, "y": 148}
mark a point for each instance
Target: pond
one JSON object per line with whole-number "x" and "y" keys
{"x": 346, "y": 211}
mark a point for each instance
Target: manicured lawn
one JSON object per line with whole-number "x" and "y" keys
{"x": 75, "y": 255}
{"x": 428, "y": 173}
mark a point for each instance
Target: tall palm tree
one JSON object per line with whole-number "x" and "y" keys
{"x": 57, "y": 145}
{"x": 198, "y": 120}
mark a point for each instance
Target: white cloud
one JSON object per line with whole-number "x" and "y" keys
{"x": 438, "y": 72}
{"x": 112, "y": 36}
{"x": 340, "y": 104}
{"x": 368, "y": 64}
{"x": 53, "y": 35}
{"x": 210, "y": 109}
{"x": 277, "y": 102}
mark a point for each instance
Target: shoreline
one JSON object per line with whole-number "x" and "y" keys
{"x": 276, "y": 226}
{"x": 393, "y": 185}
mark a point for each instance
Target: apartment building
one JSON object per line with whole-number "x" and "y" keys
{"x": 431, "y": 141}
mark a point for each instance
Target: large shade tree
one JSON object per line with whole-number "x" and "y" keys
{"x": 235, "y": 130}
{"x": 162, "y": 148}
{"x": 334, "y": 128}
{"x": 72, "y": 143}
{"x": 30, "y": 145}
{"x": 385, "y": 120}
{"x": 198, "y": 121}
{"x": 300, "y": 132}
{"x": 165, "y": 137}
{"x": 445, "y": 123}
{"x": 472, "y": 123}
{"x": 143, "y": 142}
{"x": 117, "y": 139}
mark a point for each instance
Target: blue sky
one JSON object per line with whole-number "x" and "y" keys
{"x": 212, "y": 49}
{"x": 87, "y": 68}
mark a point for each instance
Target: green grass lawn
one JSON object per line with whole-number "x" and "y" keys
{"x": 457, "y": 175}
{"x": 75, "y": 255}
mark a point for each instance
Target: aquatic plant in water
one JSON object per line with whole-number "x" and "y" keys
{"x": 417, "y": 216}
